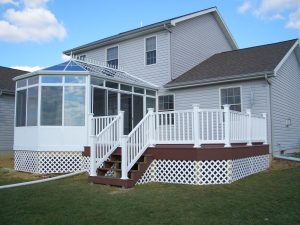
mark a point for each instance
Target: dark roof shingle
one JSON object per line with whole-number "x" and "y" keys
{"x": 258, "y": 59}
{"x": 7, "y": 85}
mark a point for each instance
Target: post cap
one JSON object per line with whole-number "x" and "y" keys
{"x": 196, "y": 105}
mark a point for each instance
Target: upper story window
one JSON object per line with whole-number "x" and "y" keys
{"x": 151, "y": 50}
{"x": 232, "y": 97}
{"x": 81, "y": 57}
{"x": 112, "y": 57}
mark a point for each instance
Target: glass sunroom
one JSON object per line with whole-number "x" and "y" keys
{"x": 53, "y": 104}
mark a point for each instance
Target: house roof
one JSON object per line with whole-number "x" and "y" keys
{"x": 7, "y": 85}
{"x": 247, "y": 62}
{"x": 154, "y": 28}
{"x": 76, "y": 66}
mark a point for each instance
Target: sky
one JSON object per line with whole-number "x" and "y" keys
{"x": 34, "y": 33}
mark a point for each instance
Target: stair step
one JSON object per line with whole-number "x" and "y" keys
{"x": 112, "y": 181}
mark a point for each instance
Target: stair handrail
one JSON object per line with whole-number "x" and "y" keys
{"x": 106, "y": 142}
{"x": 136, "y": 142}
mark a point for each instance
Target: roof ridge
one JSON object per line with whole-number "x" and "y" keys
{"x": 258, "y": 46}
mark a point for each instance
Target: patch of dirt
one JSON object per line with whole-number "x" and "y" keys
{"x": 7, "y": 173}
{"x": 280, "y": 164}
{"x": 7, "y": 159}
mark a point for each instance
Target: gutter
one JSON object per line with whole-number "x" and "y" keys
{"x": 219, "y": 80}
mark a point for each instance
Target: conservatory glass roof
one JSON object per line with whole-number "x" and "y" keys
{"x": 99, "y": 70}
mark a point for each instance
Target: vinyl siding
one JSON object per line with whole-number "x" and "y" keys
{"x": 6, "y": 122}
{"x": 195, "y": 40}
{"x": 285, "y": 103}
{"x": 132, "y": 58}
{"x": 255, "y": 96}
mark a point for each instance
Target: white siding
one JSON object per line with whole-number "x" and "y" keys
{"x": 6, "y": 122}
{"x": 132, "y": 58}
{"x": 195, "y": 40}
{"x": 285, "y": 103}
{"x": 191, "y": 41}
{"x": 254, "y": 96}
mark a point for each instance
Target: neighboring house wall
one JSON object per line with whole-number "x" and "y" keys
{"x": 285, "y": 104}
{"x": 195, "y": 40}
{"x": 132, "y": 58}
{"x": 7, "y": 103}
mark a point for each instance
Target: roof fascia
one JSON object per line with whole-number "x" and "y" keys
{"x": 283, "y": 60}
{"x": 225, "y": 80}
{"x": 50, "y": 72}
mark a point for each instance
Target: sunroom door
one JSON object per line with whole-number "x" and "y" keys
{"x": 126, "y": 106}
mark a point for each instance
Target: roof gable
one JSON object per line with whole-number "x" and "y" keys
{"x": 155, "y": 27}
{"x": 242, "y": 62}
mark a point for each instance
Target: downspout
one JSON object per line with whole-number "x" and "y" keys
{"x": 170, "y": 54}
{"x": 270, "y": 112}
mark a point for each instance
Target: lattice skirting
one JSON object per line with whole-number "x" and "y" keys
{"x": 50, "y": 162}
{"x": 203, "y": 172}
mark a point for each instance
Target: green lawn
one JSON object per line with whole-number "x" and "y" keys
{"x": 267, "y": 198}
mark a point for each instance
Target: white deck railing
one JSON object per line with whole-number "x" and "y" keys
{"x": 136, "y": 142}
{"x": 106, "y": 142}
{"x": 196, "y": 126}
{"x": 100, "y": 122}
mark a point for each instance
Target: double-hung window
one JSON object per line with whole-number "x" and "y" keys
{"x": 231, "y": 97}
{"x": 112, "y": 57}
{"x": 166, "y": 103}
{"x": 151, "y": 50}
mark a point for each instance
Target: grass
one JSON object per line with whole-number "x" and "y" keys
{"x": 8, "y": 175}
{"x": 271, "y": 197}
{"x": 296, "y": 154}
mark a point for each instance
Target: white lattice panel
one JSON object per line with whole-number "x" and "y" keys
{"x": 247, "y": 166}
{"x": 188, "y": 172}
{"x": 203, "y": 172}
{"x": 174, "y": 171}
{"x": 50, "y": 162}
{"x": 213, "y": 172}
{"x": 26, "y": 161}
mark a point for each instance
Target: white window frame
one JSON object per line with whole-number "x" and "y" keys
{"x": 26, "y": 87}
{"x": 145, "y": 53}
{"x": 158, "y": 102}
{"x": 63, "y": 85}
{"x": 106, "y": 50}
{"x": 227, "y": 87}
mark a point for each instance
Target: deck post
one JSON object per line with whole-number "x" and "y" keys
{"x": 196, "y": 123}
{"x": 249, "y": 127}
{"x": 92, "y": 144}
{"x": 90, "y": 128}
{"x": 264, "y": 115}
{"x": 93, "y": 157}
{"x": 121, "y": 124}
{"x": 227, "y": 125}
{"x": 151, "y": 127}
{"x": 124, "y": 175}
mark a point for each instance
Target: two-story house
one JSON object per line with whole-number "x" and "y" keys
{"x": 210, "y": 104}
